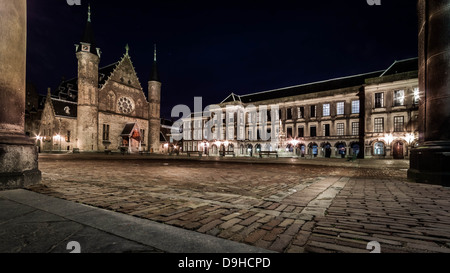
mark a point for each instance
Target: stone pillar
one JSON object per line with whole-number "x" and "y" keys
{"x": 430, "y": 161}
{"x": 18, "y": 155}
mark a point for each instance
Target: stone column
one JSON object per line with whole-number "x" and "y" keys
{"x": 18, "y": 155}
{"x": 430, "y": 161}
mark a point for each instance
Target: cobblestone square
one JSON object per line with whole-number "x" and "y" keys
{"x": 282, "y": 207}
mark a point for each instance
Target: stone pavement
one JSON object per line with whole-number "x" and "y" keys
{"x": 294, "y": 207}
{"x": 36, "y": 223}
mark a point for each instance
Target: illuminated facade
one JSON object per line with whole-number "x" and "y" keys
{"x": 372, "y": 115}
{"x": 103, "y": 109}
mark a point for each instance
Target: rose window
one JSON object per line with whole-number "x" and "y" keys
{"x": 125, "y": 105}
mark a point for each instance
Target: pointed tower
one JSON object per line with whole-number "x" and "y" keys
{"x": 87, "y": 120}
{"x": 154, "y": 99}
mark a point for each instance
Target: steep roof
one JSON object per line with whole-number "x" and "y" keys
{"x": 154, "y": 72}
{"x": 128, "y": 129}
{"x": 88, "y": 35}
{"x": 64, "y": 108}
{"x": 68, "y": 89}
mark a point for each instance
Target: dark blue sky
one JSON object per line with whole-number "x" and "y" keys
{"x": 213, "y": 48}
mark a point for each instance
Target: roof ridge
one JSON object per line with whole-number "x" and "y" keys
{"x": 396, "y": 62}
{"x": 311, "y": 83}
{"x": 61, "y": 100}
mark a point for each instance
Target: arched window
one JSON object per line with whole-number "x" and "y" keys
{"x": 378, "y": 148}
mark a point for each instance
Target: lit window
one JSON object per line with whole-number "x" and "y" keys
{"x": 399, "y": 97}
{"x": 340, "y": 108}
{"x": 416, "y": 96}
{"x": 399, "y": 124}
{"x": 340, "y": 129}
{"x": 355, "y": 107}
{"x": 355, "y": 128}
{"x": 379, "y": 125}
{"x": 378, "y": 148}
{"x": 379, "y": 100}
{"x": 326, "y": 109}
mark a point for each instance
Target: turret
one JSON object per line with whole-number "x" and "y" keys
{"x": 154, "y": 99}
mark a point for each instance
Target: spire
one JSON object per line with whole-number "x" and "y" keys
{"x": 127, "y": 48}
{"x": 88, "y": 35}
{"x": 154, "y": 72}
{"x": 89, "y": 13}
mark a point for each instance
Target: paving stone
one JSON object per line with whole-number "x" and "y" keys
{"x": 281, "y": 243}
{"x": 349, "y": 204}
{"x": 273, "y": 223}
{"x": 255, "y": 236}
{"x": 230, "y": 223}
{"x": 293, "y": 229}
{"x": 249, "y": 220}
{"x": 209, "y": 225}
{"x": 272, "y": 234}
{"x": 295, "y": 249}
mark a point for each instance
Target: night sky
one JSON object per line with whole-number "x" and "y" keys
{"x": 213, "y": 48}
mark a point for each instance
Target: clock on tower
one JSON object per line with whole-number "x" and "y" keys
{"x": 85, "y": 48}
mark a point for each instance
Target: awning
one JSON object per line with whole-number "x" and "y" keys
{"x": 131, "y": 130}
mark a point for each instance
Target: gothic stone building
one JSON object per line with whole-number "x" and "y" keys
{"x": 372, "y": 115}
{"x": 103, "y": 108}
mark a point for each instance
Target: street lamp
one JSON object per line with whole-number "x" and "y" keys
{"x": 409, "y": 138}
{"x": 389, "y": 138}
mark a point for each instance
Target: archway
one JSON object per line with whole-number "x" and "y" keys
{"x": 290, "y": 148}
{"x": 257, "y": 148}
{"x": 301, "y": 148}
{"x": 249, "y": 150}
{"x": 214, "y": 150}
{"x": 378, "y": 148}
{"x": 313, "y": 149}
{"x": 341, "y": 149}
{"x": 326, "y": 149}
{"x": 355, "y": 148}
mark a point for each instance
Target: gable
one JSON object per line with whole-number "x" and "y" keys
{"x": 125, "y": 73}
{"x": 48, "y": 114}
